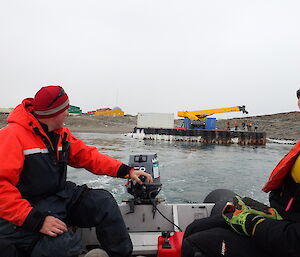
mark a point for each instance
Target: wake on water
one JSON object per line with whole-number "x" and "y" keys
{"x": 189, "y": 171}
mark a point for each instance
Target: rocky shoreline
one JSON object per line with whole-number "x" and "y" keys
{"x": 280, "y": 126}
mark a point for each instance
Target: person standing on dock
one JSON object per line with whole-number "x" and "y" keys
{"x": 243, "y": 125}
{"x": 228, "y": 125}
{"x": 247, "y": 228}
{"x": 236, "y": 125}
{"x": 37, "y": 203}
{"x": 249, "y": 125}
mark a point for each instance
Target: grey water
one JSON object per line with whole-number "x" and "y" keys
{"x": 188, "y": 171}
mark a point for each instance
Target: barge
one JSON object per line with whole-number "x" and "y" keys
{"x": 207, "y": 136}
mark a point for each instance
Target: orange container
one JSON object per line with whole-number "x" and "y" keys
{"x": 172, "y": 246}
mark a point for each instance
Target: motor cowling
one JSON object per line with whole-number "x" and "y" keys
{"x": 147, "y": 191}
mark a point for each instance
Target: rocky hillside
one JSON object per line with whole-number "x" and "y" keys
{"x": 94, "y": 124}
{"x": 124, "y": 124}
{"x": 277, "y": 126}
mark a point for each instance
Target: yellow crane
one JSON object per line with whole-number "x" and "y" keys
{"x": 203, "y": 114}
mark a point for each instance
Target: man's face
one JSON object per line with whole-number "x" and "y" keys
{"x": 298, "y": 96}
{"x": 58, "y": 121}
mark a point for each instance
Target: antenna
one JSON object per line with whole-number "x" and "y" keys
{"x": 117, "y": 95}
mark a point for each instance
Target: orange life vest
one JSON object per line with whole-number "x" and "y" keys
{"x": 282, "y": 169}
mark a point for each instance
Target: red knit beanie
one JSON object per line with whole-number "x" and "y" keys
{"x": 50, "y": 101}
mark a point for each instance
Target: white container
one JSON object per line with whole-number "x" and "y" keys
{"x": 155, "y": 120}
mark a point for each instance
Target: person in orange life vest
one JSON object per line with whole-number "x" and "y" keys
{"x": 283, "y": 183}
{"x": 242, "y": 232}
{"x": 37, "y": 203}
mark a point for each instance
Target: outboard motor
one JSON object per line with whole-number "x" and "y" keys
{"x": 145, "y": 193}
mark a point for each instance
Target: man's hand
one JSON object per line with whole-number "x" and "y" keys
{"x": 135, "y": 174}
{"x": 53, "y": 227}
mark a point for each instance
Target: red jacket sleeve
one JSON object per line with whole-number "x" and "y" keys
{"x": 88, "y": 157}
{"x": 12, "y": 206}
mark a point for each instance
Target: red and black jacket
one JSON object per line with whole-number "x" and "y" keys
{"x": 30, "y": 167}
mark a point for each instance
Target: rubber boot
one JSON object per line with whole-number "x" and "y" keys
{"x": 96, "y": 253}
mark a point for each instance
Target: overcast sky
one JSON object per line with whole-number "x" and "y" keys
{"x": 155, "y": 55}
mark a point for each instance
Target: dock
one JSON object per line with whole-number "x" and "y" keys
{"x": 207, "y": 136}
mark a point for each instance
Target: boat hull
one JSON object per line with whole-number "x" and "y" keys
{"x": 146, "y": 224}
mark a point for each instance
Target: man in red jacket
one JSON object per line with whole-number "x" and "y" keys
{"x": 37, "y": 203}
{"x": 247, "y": 228}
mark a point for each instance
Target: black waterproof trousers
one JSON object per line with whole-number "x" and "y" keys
{"x": 76, "y": 206}
{"x": 8, "y": 249}
{"x": 211, "y": 237}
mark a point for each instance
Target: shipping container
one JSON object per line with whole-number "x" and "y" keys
{"x": 155, "y": 120}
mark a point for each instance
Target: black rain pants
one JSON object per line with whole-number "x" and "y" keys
{"x": 76, "y": 206}
{"x": 8, "y": 249}
{"x": 212, "y": 237}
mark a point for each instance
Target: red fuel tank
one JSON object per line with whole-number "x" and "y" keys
{"x": 170, "y": 246}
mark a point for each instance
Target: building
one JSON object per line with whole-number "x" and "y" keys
{"x": 117, "y": 111}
